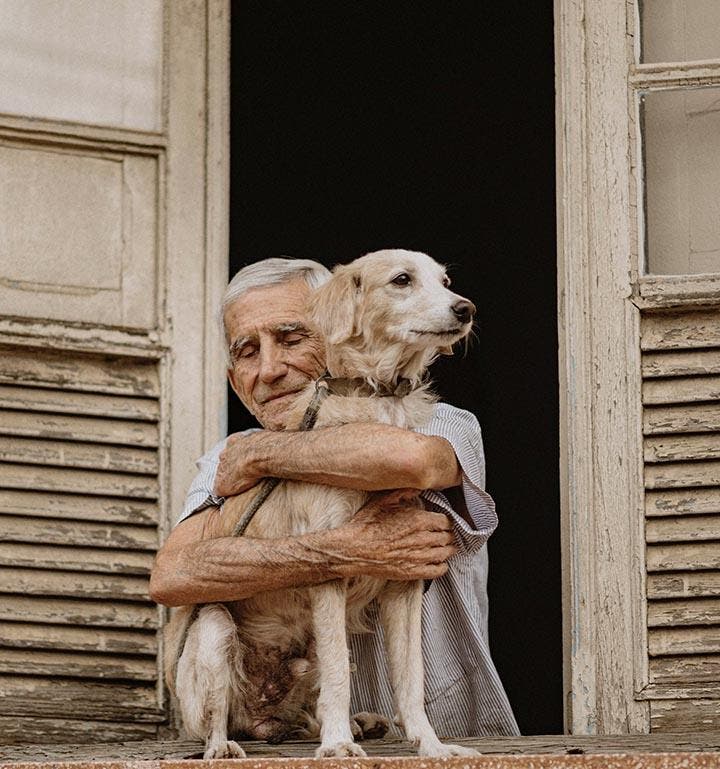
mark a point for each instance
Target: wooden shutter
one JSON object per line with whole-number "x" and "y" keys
{"x": 681, "y": 426}
{"x": 79, "y": 485}
{"x": 113, "y": 257}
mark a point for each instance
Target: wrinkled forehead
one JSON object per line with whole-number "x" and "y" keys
{"x": 267, "y": 308}
{"x": 380, "y": 268}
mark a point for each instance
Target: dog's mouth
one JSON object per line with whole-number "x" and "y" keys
{"x": 445, "y": 332}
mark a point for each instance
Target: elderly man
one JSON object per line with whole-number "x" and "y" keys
{"x": 273, "y": 355}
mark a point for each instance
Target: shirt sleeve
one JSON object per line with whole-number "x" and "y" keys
{"x": 461, "y": 429}
{"x": 200, "y": 495}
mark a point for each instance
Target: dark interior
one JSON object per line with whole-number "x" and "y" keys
{"x": 359, "y": 126}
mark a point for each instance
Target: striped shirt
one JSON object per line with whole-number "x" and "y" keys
{"x": 463, "y": 693}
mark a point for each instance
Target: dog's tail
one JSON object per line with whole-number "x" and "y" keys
{"x": 174, "y": 636}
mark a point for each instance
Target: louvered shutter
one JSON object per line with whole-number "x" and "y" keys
{"x": 681, "y": 426}
{"x": 113, "y": 256}
{"x": 79, "y": 446}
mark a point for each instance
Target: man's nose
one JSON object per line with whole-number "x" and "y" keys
{"x": 272, "y": 364}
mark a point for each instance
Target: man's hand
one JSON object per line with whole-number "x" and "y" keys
{"x": 393, "y": 537}
{"x": 235, "y": 472}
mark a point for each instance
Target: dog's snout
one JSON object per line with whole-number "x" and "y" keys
{"x": 464, "y": 310}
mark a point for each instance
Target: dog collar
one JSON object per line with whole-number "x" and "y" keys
{"x": 359, "y": 386}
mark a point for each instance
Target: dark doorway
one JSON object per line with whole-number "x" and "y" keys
{"x": 358, "y": 126}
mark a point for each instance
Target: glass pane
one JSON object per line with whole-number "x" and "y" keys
{"x": 680, "y": 30}
{"x": 86, "y": 61}
{"x": 681, "y": 148}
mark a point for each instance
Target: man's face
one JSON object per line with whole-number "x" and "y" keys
{"x": 273, "y": 352}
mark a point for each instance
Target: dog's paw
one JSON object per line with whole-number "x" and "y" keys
{"x": 339, "y": 750}
{"x": 369, "y": 726}
{"x": 229, "y": 749}
{"x": 442, "y": 751}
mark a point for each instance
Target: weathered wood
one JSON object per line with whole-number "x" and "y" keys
{"x": 15, "y": 528}
{"x": 123, "y": 432}
{"x": 684, "y": 363}
{"x": 702, "y": 611}
{"x": 682, "y": 501}
{"x": 683, "y": 557}
{"x": 519, "y": 748}
{"x": 72, "y": 584}
{"x": 676, "y": 448}
{"x": 86, "y": 373}
{"x": 682, "y": 389}
{"x": 690, "y": 418}
{"x": 682, "y": 474}
{"x": 22, "y": 635}
{"x": 684, "y": 715}
{"x": 31, "y": 695}
{"x": 687, "y": 528}
{"x": 75, "y": 559}
{"x": 674, "y": 331}
{"x": 683, "y": 690}
{"x": 78, "y": 664}
{"x": 691, "y": 667}
{"x": 684, "y": 640}
{"x": 16, "y": 730}
{"x": 77, "y": 481}
{"x": 81, "y": 455}
{"x": 78, "y": 507}
{"x": 15, "y": 608}
{"x": 32, "y": 399}
{"x": 683, "y": 585}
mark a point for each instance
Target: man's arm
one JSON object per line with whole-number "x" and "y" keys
{"x": 366, "y": 456}
{"x": 390, "y": 538}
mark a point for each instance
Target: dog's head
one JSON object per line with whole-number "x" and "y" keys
{"x": 389, "y": 314}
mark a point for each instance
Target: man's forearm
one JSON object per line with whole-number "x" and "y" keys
{"x": 234, "y": 568}
{"x": 366, "y": 456}
{"x": 389, "y": 538}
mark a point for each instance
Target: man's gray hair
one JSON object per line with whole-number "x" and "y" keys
{"x": 270, "y": 272}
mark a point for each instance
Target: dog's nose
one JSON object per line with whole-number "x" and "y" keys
{"x": 464, "y": 310}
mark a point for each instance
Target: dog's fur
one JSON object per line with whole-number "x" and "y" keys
{"x": 272, "y": 664}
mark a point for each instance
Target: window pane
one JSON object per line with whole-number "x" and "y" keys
{"x": 86, "y": 61}
{"x": 681, "y": 148}
{"x": 680, "y": 30}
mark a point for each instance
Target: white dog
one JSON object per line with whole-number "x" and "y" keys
{"x": 278, "y": 663}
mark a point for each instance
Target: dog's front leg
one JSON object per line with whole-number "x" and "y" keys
{"x": 333, "y": 705}
{"x": 400, "y": 612}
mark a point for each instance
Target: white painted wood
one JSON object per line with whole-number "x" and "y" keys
{"x": 675, "y": 74}
{"x": 601, "y": 458}
{"x": 682, "y": 501}
{"x": 685, "y": 716}
{"x": 683, "y": 390}
{"x": 675, "y": 330}
{"x": 679, "y": 30}
{"x": 30, "y": 695}
{"x": 681, "y": 419}
{"x": 79, "y": 234}
{"x": 671, "y": 291}
{"x": 24, "y": 635}
{"x": 684, "y": 584}
{"x": 684, "y": 640}
{"x": 85, "y": 61}
{"x": 684, "y": 529}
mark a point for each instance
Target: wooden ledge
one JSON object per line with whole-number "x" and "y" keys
{"x": 690, "y": 751}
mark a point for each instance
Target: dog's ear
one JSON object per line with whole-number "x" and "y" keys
{"x": 333, "y": 307}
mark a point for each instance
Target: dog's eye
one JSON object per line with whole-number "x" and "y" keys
{"x": 403, "y": 279}
{"x": 446, "y": 281}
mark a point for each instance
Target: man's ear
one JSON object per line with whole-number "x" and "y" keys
{"x": 333, "y": 307}
{"x": 233, "y": 383}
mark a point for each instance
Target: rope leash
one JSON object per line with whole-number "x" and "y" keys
{"x": 266, "y": 488}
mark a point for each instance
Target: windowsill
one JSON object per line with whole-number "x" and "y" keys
{"x": 639, "y": 751}
{"x": 668, "y": 291}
